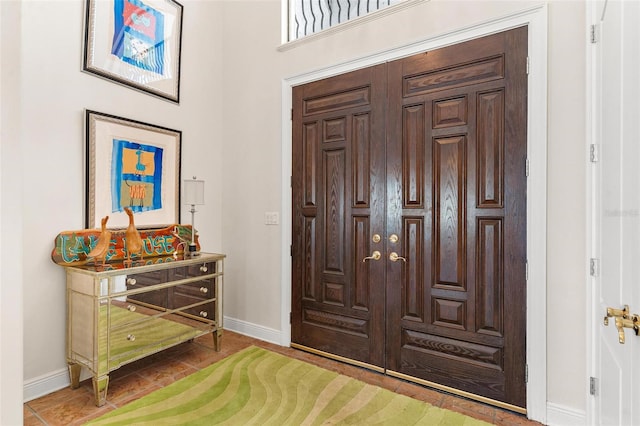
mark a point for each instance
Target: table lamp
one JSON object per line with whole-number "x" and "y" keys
{"x": 193, "y": 195}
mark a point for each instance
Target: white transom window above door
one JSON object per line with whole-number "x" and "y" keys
{"x": 302, "y": 18}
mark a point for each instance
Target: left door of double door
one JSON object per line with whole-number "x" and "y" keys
{"x": 339, "y": 199}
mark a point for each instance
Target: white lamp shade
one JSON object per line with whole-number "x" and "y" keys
{"x": 193, "y": 192}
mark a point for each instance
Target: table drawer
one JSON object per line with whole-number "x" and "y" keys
{"x": 203, "y": 289}
{"x": 140, "y": 281}
{"x": 147, "y": 278}
{"x": 198, "y": 270}
{"x": 205, "y": 310}
{"x": 132, "y": 340}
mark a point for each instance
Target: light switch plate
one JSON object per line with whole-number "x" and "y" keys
{"x": 271, "y": 218}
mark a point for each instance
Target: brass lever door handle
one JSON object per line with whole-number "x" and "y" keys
{"x": 622, "y": 323}
{"x": 376, "y": 255}
{"x": 623, "y": 320}
{"x": 611, "y": 312}
{"x": 394, "y": 257}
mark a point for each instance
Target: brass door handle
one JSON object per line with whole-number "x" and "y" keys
{"x": 611, "y": 312}
{"x": 394, "y": 257}
{"x": 622, "y": 323}
{"x": 623, "y": 320}
{"x": 376, "y": 255}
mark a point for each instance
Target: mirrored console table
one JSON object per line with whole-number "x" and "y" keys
{"x": 118, "y": 313}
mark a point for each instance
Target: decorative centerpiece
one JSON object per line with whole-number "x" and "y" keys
{"x": 133, "y": 241}
{"x": 73, "y": 248}
{"x": 100, "y": 250}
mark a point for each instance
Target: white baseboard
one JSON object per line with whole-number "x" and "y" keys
{"x": 253, "y": 330}
{"x": 560, "y": 415}
{"x": 43, "y": 385}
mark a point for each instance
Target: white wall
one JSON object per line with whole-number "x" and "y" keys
{"x": 230, "y": 115}
{"x": 11, "y": 223}
{"x": 567, "y": 174}
{"x": 54, "y": 94}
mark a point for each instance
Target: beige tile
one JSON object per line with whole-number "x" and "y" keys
{"x": 421, "y": 393}
{"x": 507, "y": 418}
{"x": 121, "y": 402}
{"x": 199, "y": 356}
{"x": 29, "y": 418}
{"x": 124, "y": 388}
{"x": 165, "y": 373}
{"x": 72, "y": 411}
{"x": 56, "y": 398}
{"x": 469, "y": 408}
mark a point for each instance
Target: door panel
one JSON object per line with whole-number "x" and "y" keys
{"x": 437, "y": 169}
{"x": 617, "y": 211}
{"x": 457, "y": 148}
{"x": 338, "y": 203}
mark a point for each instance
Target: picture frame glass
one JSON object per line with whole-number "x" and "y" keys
{"x": 136, "y": 43}
{"x": 131, "y": 164}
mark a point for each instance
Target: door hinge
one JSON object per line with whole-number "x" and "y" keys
{"x": 594, "y": 267}
{"x": 526, "y": 270}
{"x": 291, "y": 114}
{"x": 527, "y": 65}
{"x": 526, "y": 167}
{"x": 593, "y": 34}
{"x": 526, "y": 373}
{"x": 592, "y": 386}
{"x": 593, "y": 153}
{"x": 291, "y": 250}
{"x": 290, "y": 317}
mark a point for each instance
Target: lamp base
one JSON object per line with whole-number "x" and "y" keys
{"x": 193, "y": 250}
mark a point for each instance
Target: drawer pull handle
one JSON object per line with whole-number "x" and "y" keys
{"x": 131, "y": 337}
{"x": 131, "y": 308}
{"x": 131, "y": 281}
{"x": 204, "y": 268}
{"x": 204, "y": 290}
{"x": 203, "y": 314}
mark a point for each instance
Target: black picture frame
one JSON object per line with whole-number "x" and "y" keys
{"x": 131, "y": 164}
{"x": 136, "y": 43}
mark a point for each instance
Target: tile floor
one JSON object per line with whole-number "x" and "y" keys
{"x": 74, "y": 407}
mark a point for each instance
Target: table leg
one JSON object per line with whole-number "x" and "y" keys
{"x": 74, "y": 374}
{"x": 217, "y": 340}
{"x": 100, "y": 386}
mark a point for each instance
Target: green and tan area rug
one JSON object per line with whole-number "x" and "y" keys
{"x": 259, "y": 387}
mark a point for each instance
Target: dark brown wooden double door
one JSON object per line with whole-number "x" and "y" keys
{"x": 422, "y": 160}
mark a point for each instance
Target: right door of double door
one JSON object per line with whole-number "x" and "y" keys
{"x": 409, "y": 218}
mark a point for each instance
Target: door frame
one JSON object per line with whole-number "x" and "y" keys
{"x": 591, "y": 115}
{"x": 536, "y": 19}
